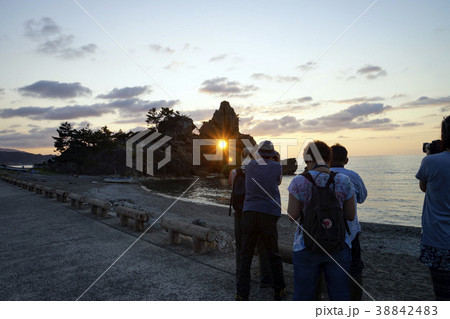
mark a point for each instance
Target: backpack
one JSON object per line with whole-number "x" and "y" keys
{"x": 323, "y": 219}
{"x": 238, "y": 192}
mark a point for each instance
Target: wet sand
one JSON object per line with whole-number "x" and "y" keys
{"x": 390, "y": 252}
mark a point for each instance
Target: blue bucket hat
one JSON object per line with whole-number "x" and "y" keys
{"x": 265, "y": 148}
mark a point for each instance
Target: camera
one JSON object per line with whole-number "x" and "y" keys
{"x": 433, "y": 147}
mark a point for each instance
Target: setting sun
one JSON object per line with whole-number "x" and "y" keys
{"x": 222, "y": 144}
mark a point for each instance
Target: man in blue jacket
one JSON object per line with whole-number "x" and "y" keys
{"x": 259, "y": 219}
{"x": 339, "y": 160}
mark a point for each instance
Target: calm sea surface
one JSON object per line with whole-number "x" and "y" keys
{"x": 393, "y": 197}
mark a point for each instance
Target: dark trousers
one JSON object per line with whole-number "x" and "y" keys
{"x": 356, "y": 268}
{"x": 441, "y": 284}
{"x": 256, "y": 225}
{"x": 264, "y": 265}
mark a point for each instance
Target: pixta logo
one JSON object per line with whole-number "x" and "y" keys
{"x": 151, "y": 141}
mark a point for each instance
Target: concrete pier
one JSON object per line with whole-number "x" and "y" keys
{"x": 49, "y": 251}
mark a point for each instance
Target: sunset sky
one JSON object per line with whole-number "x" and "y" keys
{"x": 372, "y": 75}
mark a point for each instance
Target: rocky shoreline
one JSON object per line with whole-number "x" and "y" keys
{"x": 390, "y": 252}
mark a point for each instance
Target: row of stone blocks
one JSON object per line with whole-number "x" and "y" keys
{"x": 200, "y": 235}
{"x": 97, "y": 206}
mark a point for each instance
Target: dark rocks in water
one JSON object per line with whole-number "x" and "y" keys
{"x": 224, "y": 125}
{"x": 289, "y": 166}
{"x": 179, "y": 128}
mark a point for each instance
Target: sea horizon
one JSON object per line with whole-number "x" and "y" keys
{"x": 393, "y": 197}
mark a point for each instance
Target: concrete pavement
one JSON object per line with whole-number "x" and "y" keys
{"x": 49, "y": 251}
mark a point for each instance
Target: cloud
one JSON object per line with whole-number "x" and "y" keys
{"x": 134, "y": 110}
{"x": 307, "y": 66}
{"x": 246, "y": 120}
{"x": 275, "y": 127}
{"x": 76, "y": 112}
{"x": 200, "y": 115}
{"x": 41, "y": 29}
{"x": 138, "y": 129}
{"x": 262, "y": 76}
{"x": 371, "y": 72}
{"x": 130, "y": 107}
{"x": 362, "y": 109}
{"x": 218, "y": 57}
{"x": 125, "y": 93}
{"x": 57, "y": 113}
{"x": 359, "y": 100}
{"x": 445, "y": 109}
{"x": 126, "y": 107}
{"x": 369, "y": 69}
{"x": 133, "y": 120}
{"x": 26, "y": 111}
{"x": 223, "y": 87}
{"x": 353, "y": 117}
{"x": 411, "y": 124}
{"x": 39, "y": 137}
{"x": 54, "y": 89}
{"x": 397, "y": 96}
{"x": 82, "y": 124}
{"x": 292, "y": 106}
{"x": 426, "y": 101}
{"x": 277, "y": 78}
{"x": 300, "y": 100}
{"x": 2, "y": 91}
{"x": 7, "y": 131}
{"x": 284, "y": 78}
{"x": 174, "y": 65}
{"x": 158, "y": 48}
{"x": 52, "y": 41}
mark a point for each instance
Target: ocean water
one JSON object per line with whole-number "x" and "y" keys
{"x": 393, "y": 197}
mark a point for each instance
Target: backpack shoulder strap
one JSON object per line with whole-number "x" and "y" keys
{"x": 308, "y": 176}
{"x": 331, "y": 179}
